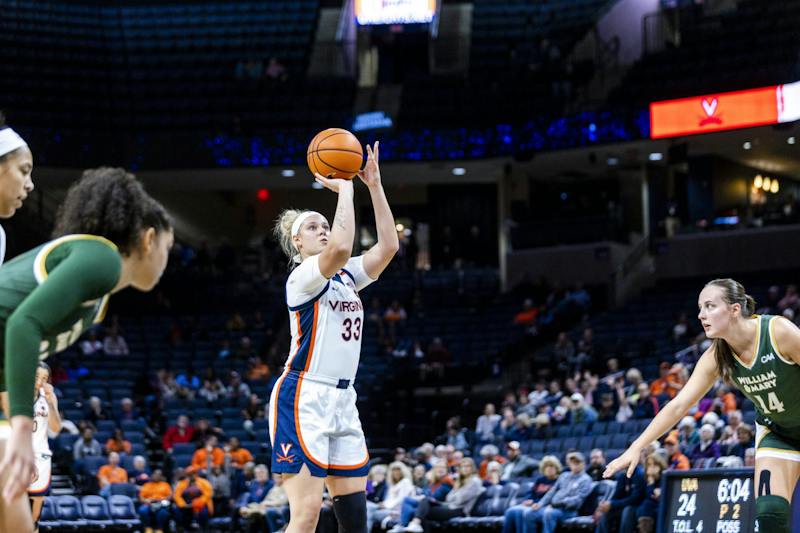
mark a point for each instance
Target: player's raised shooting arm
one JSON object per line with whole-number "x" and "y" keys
{"x": 343, "y": 229}
{"x": 377, "y": 258}
{"x": 786, "y": 339}
{"x": 91, "y": 270}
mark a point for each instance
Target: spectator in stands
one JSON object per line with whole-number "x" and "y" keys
{"x": 254, "y": 409}
{"x": 607, "y": 410}
{"x": 419, "y": 476}
{"x": 487, "y": 424}
{"x": 707, "y": 448}
{"x": 111, "y": 473}
{"x": 272, "y": 509}
{"x": 489, "y": 453}
{"x": 680, "y": 332}
{"x": 565, "y": 498}
{"x": 675, "y": 459}
{"x": 376, "y": 484}
{"x": 236, "y": 322}
{"x": 188, "y": 380}
{"x": 155, "y": 499}
{"x": 555, "y": 393}
{"x": 235, "y": 455}
{"x": 518, "y": 465}
{"x": 203, "y": 430}
{"x": 237, "y": 388}
{"x": 522, "y": 429}
{"x": 734, "y": 421}
{"x": 245, "y": 352}
{"x": 139, "y": 474}
{"x": 619, "y": 513}
{"x": 459, "y": 502}
{"x": 746, "y": 440}
{"x": 597, "y": 464}
{"x": 750, "y": 458}
{"x": 220, "y": 481}
{"x": 538, "y": 396}
{"x": 564, "y": 353}
{"x": 646, "y": 405}
{"x": 494, "y": 474}
{"x": 455, "y": 435}
{"x": 194, "y": 499}
{"x": 399, "y": 487}
{"x": 688, "y": 436}
{"x": 437, "y": 485}
{"x": 86, "y": 446}
{"x": 241, "y": 479}
{"x": 91, "y": 344}
{"x": 117, "y": 443}
{"x": 95, "y": 411}
{"x": 395, "y": 318}
{"x": 127, "y": 411}
{"x": 181, "y": 432}
{"x": 167, "y": 386}
{"x": 437, "y": 356}
{"x": 209, "y": 455}
{"x": 647, "y": 511}
{"x": 212, "y": 390}
{"x": 516, "y": 518}
{"x": 660, "y": 386}
{"x": 790, "y": 299}
{"x": 67, "y": 425}
{"x": 114, "y": 344}
{"x": 275, "y": 70}
{"x": 526, "y": 317}
{"x": 580, "y": 411}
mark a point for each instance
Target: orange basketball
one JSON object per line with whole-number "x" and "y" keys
{"x": 335, "y": 153}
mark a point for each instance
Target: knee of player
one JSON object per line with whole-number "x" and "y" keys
{"x": 306, "y": 513}
{"x": 773, "y": 514}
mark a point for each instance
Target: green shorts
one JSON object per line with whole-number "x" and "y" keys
{"x": 768, "y": 444}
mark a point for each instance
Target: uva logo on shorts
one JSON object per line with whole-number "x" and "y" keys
{"x": 285, "y": 457}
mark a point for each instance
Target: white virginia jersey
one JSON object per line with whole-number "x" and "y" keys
{"x": 326, "y": 319}
{"x": 41, "y": 416}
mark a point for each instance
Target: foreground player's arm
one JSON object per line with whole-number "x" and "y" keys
{"x": 343, "y": 228}
{"x": 787, "y": 338}
{"x": 377, "y": 258}
{"x": 702, "y": 379}
{"x": 91, "y": 271}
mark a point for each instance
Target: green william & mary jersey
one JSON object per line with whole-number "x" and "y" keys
{"x": 48, "y": 297}
{"x": 772, "y": 382}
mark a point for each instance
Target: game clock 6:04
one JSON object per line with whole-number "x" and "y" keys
{"x": 712, "y": 501}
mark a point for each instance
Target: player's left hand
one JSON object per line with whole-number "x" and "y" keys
{"x": 371, "y": 174}
{"x": 49, "y": 393}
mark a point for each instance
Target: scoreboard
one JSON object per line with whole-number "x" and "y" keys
{"x": 710, "y": 501}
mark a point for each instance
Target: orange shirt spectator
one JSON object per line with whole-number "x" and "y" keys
{"x": 202, "y": 456}
{"x": 205, "y": 499}
{"x": 119, "y": 446}
{"x": 240, "y": 457}
{"x": 109, "y": 474}
{"x": 258, "y": 371}
{"x": 485, "y": 463}
{"x": 528, "y": 315}
{"x": 155, "y": 490}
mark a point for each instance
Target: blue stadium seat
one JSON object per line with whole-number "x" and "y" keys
{"x": 68, "y": 511}
{"x": 124, "y": 489}
{"x": 123, "y": 512}
{"x": 95, "y": 512}
{"x": 133, "y": 425}
{"x": 183, "y": 460}
{"x": 93, "y": 463}
{"x": 48, "y": 521}
{"x": 106, "y": 426}
{"x": 183, "y": 448}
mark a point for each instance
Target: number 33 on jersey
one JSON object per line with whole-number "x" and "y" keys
{"x": 326, "y": 318}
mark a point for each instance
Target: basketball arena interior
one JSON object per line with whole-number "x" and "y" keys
{"x": 565, "y": 177}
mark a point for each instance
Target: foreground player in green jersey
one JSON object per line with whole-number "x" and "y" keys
{"x": 761, "y": 356}
{"x": 109, "y": 235}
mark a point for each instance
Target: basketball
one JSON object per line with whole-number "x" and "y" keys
{"x": 335, "y": 153}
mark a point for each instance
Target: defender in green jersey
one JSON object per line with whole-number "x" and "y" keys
{"x": 110, "y": 234}
{"x": 761, "y": 356}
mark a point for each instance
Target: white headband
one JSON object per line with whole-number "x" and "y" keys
{"x": 10, "y": 141}
{"x": 296, "y": 230}
{"x": 300, "y": 219}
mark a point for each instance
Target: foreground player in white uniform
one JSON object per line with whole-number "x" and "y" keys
{"x": 314, "y": 426}
{"x": 45, "y": 416}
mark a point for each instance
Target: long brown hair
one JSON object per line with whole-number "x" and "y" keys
{"x": 732, "y": 293}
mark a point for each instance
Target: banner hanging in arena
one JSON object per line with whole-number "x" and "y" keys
{"x": 725, "y": 111}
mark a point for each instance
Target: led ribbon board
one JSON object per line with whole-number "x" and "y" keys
{"x": 394, "y": 11}
{"x": 725, "y": 111}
